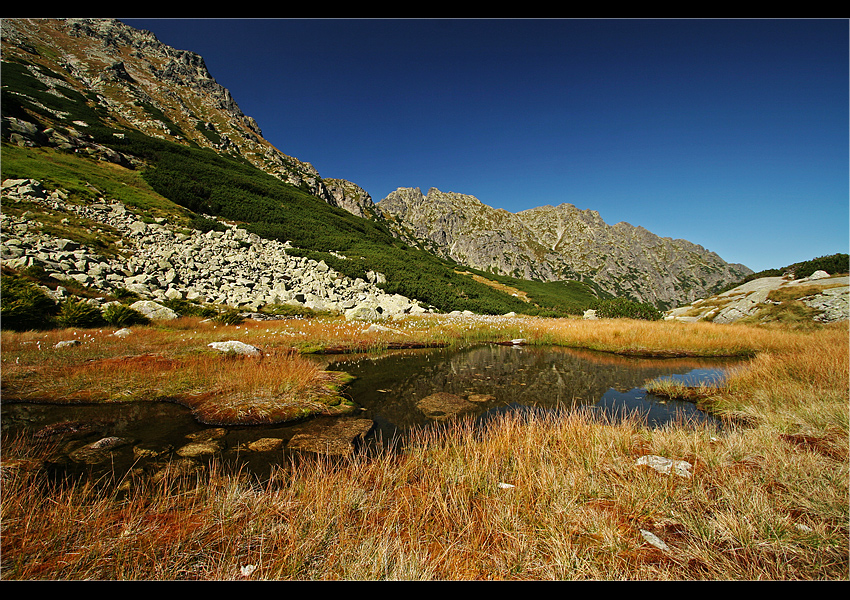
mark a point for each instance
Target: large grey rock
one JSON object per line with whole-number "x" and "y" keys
{"x": 363, "y": 312}
{"x": 154, "y": 310}
{"x": 237, "y": 347}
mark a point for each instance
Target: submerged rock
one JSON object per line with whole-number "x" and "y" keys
{"x": 97, "y": 452}
{"x": 265, "y": 445}
{"x": 338, "y": 437}
{"x": 200, "y": 449}
{"x": 443, "y": 406}
{"x": 207, "y": 434}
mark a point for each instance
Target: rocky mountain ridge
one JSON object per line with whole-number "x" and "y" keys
{"x": 553, "y": 243}
{"x": 133, "y": 81}
{"x": 166, "y": 93}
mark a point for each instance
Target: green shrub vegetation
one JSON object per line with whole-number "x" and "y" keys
{"x": 120, "y": 315}
{"x": 228, "y": 317}
{"x": 613, "y": 308}
{"x": 834, "y": 263}
{"x": 185, "y": 308}
{"x": 24, "y": 305}
{"x": 79, "y": 313}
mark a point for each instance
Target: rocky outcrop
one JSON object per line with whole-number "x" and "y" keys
{"x": 351, "y": 197}
{"x": 230, "y": 268}
{"x": 828, "y": 296}
{"x": 555, "y": 243}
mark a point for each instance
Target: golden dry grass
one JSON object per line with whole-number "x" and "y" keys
{"x": 176, "y": 364}
{"x": 535, "y": 498}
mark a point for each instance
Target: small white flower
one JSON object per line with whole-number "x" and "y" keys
{"x": 246, "y": 570}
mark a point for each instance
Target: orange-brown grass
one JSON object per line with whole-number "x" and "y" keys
{"x": 765, "y": 500}
{"x": 556, "y": 497}
{"x": 176, "y": 365}
{"x": 668, "y": 338}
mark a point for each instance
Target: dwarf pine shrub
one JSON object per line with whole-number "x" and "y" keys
{"x": 228, "y": 317}
{"x": 185, "y": 308}
{"x": 622, "y": 308}
{"x": 79, "y": 313}
{"x": 121, "y": 315}
{"x": 25, "y": 306}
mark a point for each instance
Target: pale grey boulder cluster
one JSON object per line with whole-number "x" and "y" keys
{"x": 231, "y": 268}
{"x": 831, "y": 298}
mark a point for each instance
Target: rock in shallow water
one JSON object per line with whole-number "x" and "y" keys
{"x": 337, "y": 438}
{"x": 443, "y": 406}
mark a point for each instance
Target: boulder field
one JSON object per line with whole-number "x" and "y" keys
{"x": 157, "y": 261}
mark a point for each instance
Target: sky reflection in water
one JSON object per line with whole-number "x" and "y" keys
{"x": 390, "y": 386}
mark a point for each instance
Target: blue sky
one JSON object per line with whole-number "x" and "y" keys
{"x": 732, "y": 134}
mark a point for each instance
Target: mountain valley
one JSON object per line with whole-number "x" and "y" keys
{"x": 98, "y": 90}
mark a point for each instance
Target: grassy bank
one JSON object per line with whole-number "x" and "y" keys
{"x": 556, "y": 497}
{"x": 172, "y": 361}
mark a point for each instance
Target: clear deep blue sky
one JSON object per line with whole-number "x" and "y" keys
{"x": 732, "y": 134}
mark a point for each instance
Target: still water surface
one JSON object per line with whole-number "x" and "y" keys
{"x": 389, "y": 386}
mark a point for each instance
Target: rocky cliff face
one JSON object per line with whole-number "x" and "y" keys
{"x": 558, "y": 242}
{"x": 135, "y": 82}
{"x": 163, "y": 92}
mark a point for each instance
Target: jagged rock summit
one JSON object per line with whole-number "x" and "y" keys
{"x": 164, "y": 92}
{"x": 552, "y": 243}
{"x": 130, "y": 81}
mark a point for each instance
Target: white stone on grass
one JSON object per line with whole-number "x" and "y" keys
{"x": 237, "y": 347}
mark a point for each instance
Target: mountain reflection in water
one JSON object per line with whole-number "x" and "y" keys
{"x": 389, "y": 386}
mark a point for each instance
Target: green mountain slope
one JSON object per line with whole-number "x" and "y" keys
{"x": 102, "y": 93}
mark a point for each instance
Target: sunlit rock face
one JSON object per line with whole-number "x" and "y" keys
{"x": 558, "y": 242}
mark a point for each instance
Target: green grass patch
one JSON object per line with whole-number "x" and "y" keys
{"x": 87, "y": 180}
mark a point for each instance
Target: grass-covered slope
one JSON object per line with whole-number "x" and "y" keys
{"x": 184, "y": 183}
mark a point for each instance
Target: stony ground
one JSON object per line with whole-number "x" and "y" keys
{"x": 831, "y": 298}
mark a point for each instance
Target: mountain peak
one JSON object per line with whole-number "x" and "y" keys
{"x": 553, "y": 243}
